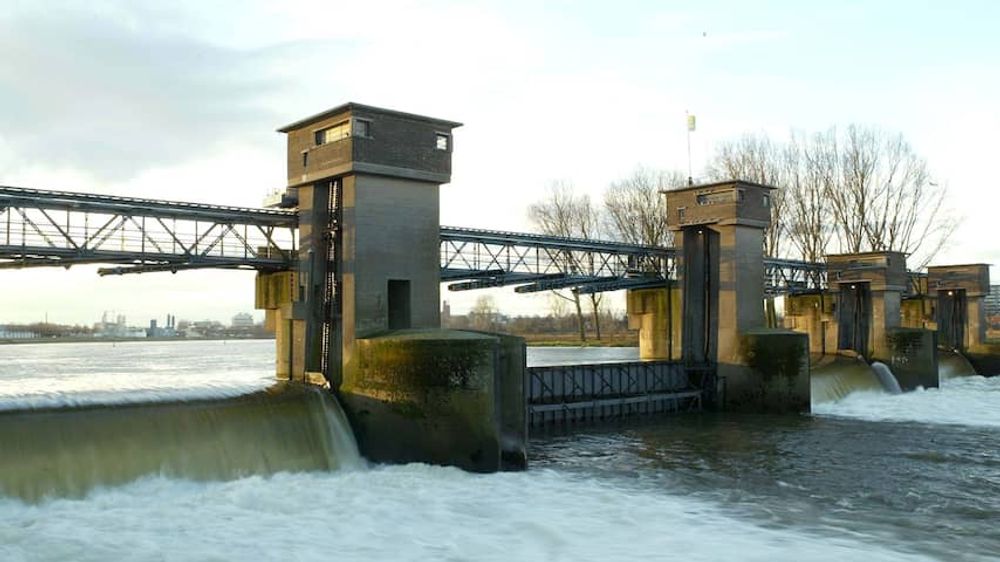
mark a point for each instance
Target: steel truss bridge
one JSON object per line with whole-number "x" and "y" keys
{"x": 58, "y": 228}
{"x": 40, "y": 228}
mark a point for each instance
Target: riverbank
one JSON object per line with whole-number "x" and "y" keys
{"x": 573, "y": 340}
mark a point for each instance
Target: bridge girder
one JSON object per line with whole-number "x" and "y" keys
{"x": 62, "y": 229}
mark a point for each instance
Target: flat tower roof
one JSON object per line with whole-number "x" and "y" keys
{"x": 717, "y": 184}
{"x": 351, "y": 106}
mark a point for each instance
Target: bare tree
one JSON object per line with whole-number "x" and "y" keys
{"x": 811, "y": 170}
{"x": 756, "y": 158}
{"x": 634, "y": 207}
{"x": 886, "y": 200}
{"x": 483, "y": 314}
{"x": 865, "y": 190}
{"x": 564, "y": 213}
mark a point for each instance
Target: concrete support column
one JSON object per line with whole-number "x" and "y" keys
{"x": 813, "y": 315}
{"x": 975, "y": 333}
{"x": 741, "y": 287}
{"x": 885, "y": 316}
{"x": 970, "y": 282}
{"x": 275, "y": 294}
{"x": 720, "y": 232}
{"x": 656, "y": 314}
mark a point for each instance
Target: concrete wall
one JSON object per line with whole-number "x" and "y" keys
{"x": 390, "y": 230}
{"x": 656, "y": 314}
{"x": 771, "y": 375}
{"x": 438, "y": 396}
{"x": 911, "y": 354}
{"x": 885, "y": 317}
{"x": 917, "y": 312}
{"x": 813, "y": 315}
{"x": 741, "y": 287}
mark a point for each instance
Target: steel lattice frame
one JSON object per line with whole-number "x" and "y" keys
{"x": 488, "y": 258}
{"x": 54, "y": 228}
{"x": 789, "y": 277}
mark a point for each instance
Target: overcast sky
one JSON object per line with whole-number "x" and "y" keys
{"x": 180, "y": 101}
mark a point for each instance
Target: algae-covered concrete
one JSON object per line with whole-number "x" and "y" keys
{"x": 773, "y": 374}
{"x": 912, "y": 357}
{"x": 438, "y": 396}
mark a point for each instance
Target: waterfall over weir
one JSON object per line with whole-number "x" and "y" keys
{"x": 952, "y": 364}
{"x": 833, "y": 377}
{"x": 885, "y": 376}
{"x": 68, "y": 451}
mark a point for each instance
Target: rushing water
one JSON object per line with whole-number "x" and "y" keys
{"x": 871, "y": 476}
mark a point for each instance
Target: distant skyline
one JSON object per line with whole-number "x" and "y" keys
{"x": 134, "y": 319}
{"x": 180, "y": 101}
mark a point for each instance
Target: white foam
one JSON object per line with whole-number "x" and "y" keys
{"x": 972, "y": 401}
{"x": 413, "y": 512}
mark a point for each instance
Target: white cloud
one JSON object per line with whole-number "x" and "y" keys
{"x": 180, "y": 101}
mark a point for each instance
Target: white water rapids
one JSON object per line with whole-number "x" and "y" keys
{"x": 972, "y": 401}
{"x": 410, "y": 512}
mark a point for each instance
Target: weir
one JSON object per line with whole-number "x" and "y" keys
{"x": 66, "y": 452}
{"x": 925, "y": 327}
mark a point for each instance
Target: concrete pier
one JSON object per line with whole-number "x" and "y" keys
{"x": 862, "y": 314}
{"x": 656, "y": 314}
{"x": 361, "y": 312}
{"x": 957, "y": 294}
{"x": 719, "y": 232}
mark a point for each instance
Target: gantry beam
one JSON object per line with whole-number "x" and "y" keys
{"x": 787, "y": 277}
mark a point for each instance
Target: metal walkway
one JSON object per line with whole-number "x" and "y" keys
{"x": 477, "y": 259}
{"x": 58, "y": 228}
{"x": 41, "y": 228}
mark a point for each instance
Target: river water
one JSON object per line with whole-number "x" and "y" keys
{"x": 872, "y": 476}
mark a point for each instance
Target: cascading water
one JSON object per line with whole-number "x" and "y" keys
{"x": 952, "y": 364}
{"x": 835, "y": 376}
{"x": 69, "y": 451}
{"x": 885, "y": 376}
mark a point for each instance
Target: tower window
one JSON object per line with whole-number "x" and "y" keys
{"x": 442, "y": 141}
{"x": 362, "y": 128}
{"x": 334, "y": 133}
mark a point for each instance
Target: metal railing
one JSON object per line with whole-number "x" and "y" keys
{"x": 565, "y": 393}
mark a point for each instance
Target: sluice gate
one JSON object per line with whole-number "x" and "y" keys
{"x": 603, "y": 391}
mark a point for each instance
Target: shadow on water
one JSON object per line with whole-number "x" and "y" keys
{"x": 934, "y": 489}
